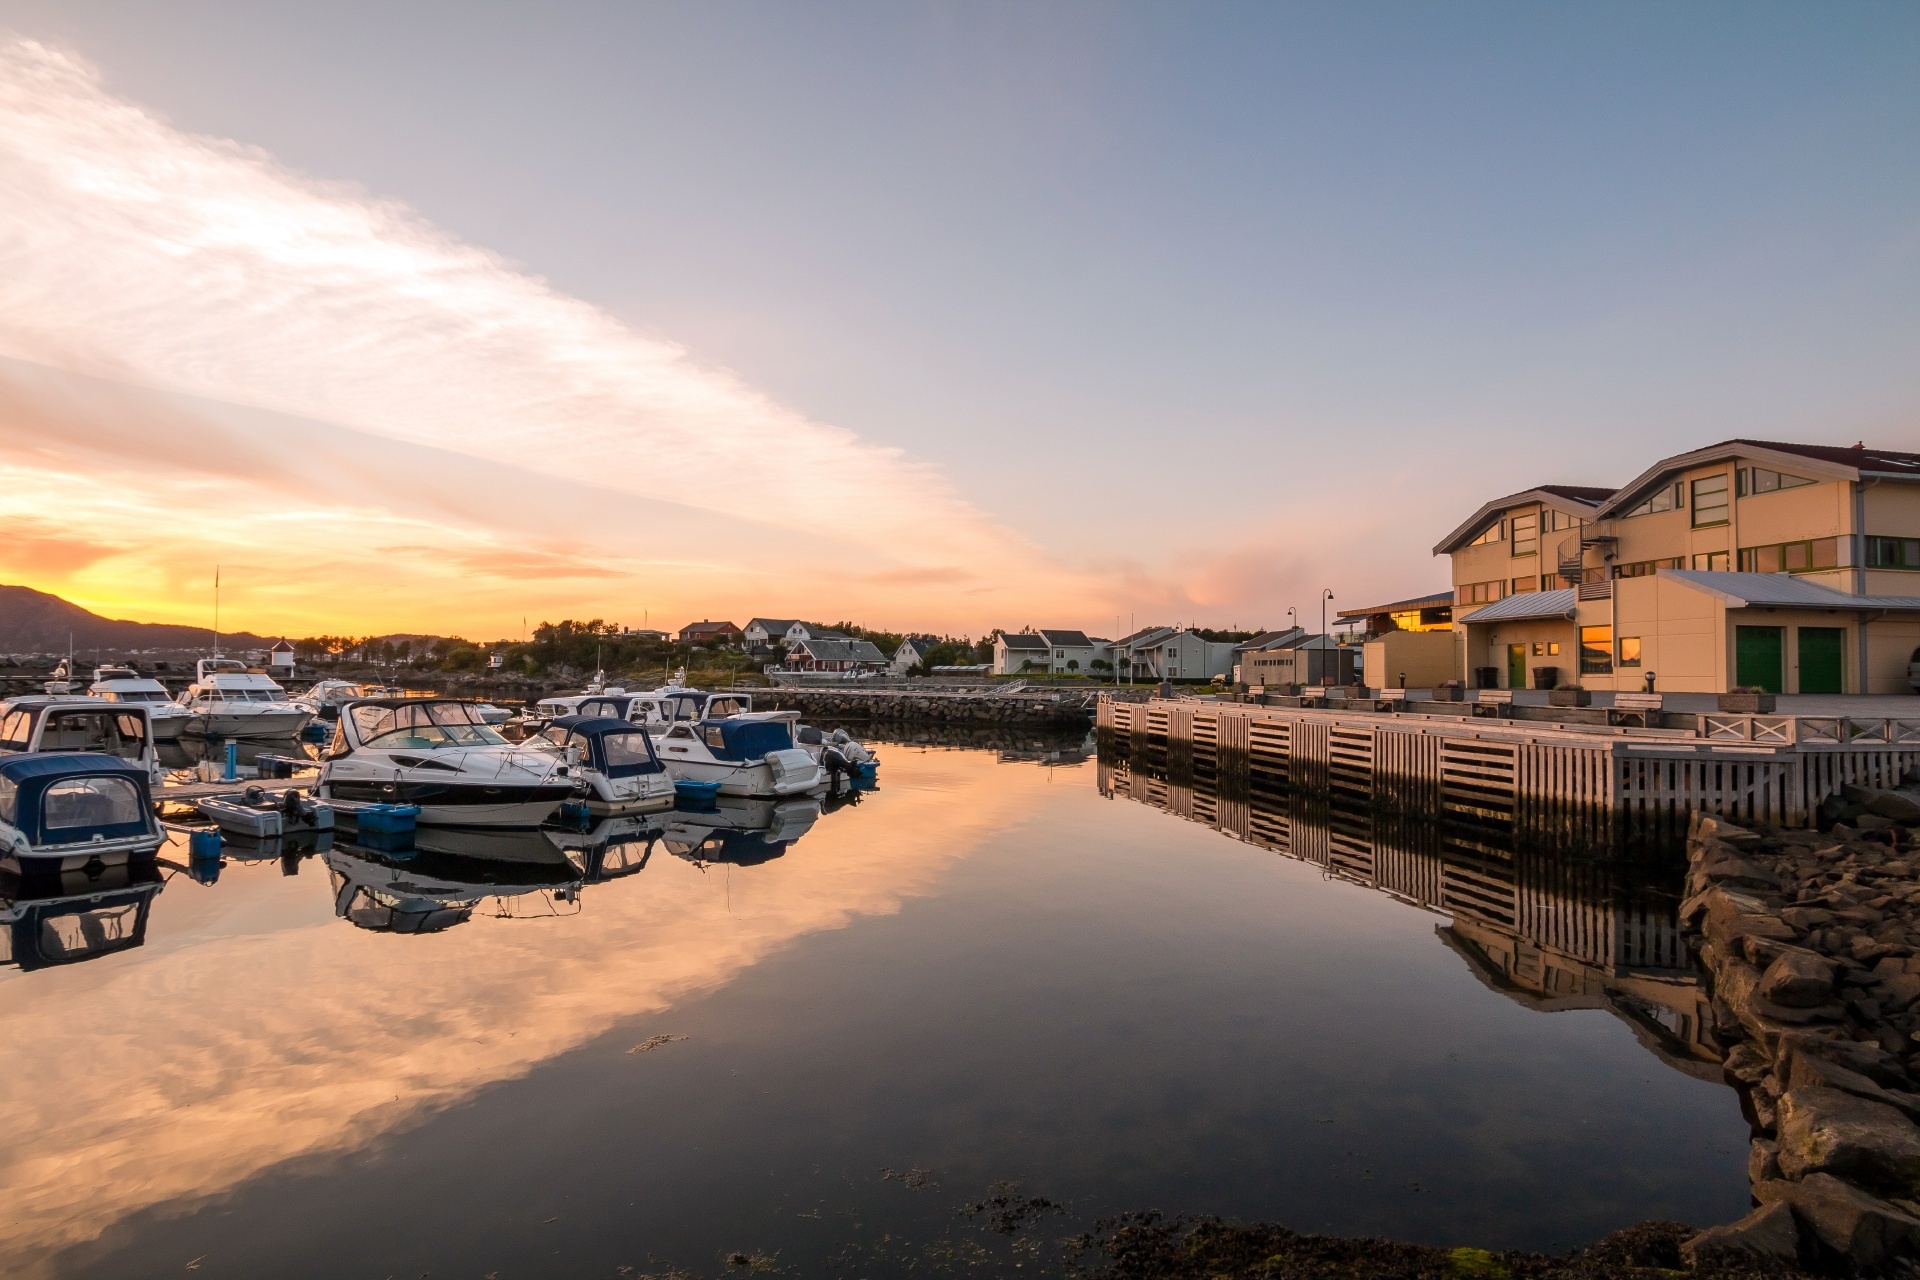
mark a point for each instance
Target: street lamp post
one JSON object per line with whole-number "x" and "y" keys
{"x": 1325, "y": 596}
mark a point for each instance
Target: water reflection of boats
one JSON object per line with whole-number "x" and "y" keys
{"x": 71, "y": 917}
{"x": 744, "y": 832}
{"x": 437, "y": 888}
{"x": 1551, "y": 932}
{"x": 614, "y": 847}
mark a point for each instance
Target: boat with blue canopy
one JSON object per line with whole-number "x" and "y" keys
{"x": 747, "y": 757}
{"x": 615, "y": 760}
{"x": 68, "y": 810}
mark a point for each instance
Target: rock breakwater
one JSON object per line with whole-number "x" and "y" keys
{"x": 1812, "y": 941}
{"x": 1053, "y": 710}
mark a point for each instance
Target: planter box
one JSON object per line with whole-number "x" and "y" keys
{"x": 1449, "y": 695}
{"x": 1752, "y": 704}
{"x": 1569, "y": 698}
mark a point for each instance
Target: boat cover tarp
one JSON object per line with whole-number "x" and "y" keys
{"x": 617, "y": 748}
{"x": 65, "y": 797}
{"x": 747, "y": 739}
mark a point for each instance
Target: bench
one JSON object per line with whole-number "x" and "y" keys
{"x": 1494, "y": 702}
{"x": 1635, "y": 709}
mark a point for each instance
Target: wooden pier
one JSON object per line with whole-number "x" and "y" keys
{"x": 1587, "y": 782}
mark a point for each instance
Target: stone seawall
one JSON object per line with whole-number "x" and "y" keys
{"x": 1057, "y": 710}
{"x": 1812, "y": 942}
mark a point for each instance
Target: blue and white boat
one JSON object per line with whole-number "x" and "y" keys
{"x": 615, "y": 761}
{"x": 746, "y": 757}
{"x": 436, "y": 753}
{"x": 71, "y": 810}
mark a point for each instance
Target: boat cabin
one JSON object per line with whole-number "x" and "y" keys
{"x": 64, "y": 811}
{"x": 411, "y": 724}
{"x": 691, "y": 704}
{"x": 611, "y": 747}
{"x": 80, "y": 724}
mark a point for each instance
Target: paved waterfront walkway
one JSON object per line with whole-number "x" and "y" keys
{"x": 1865, "y": 706}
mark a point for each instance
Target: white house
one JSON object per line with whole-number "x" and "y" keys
{"x": 1172, "y": 653}
{"x": 280, "y": 658}
{"x": 762, "y": 634}
{"x": 911, "y": 653}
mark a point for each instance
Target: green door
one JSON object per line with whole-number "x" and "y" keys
{"x": 1516, "y": 666}
{"x": 1821, "y": 667}
{"x": 1758, "y": 654}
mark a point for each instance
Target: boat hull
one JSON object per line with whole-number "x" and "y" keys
{"x": 446, "y": 805}
{"x": 247, "y": 724}
{"x": 753, "y": 781}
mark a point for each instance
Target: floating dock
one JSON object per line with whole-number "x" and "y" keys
{"x": 1591, "y": 783}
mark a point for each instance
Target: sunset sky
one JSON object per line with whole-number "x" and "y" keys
{"x": 431, "y": 317}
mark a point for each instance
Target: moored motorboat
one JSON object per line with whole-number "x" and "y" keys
{"x": 747, "y": 757}
{"x": 326, "y": 697}
{"x": 81, "y": 723}
{"x": 436, "y": 754}
{"x": 226, "y": 700}
{"x": 69, "y": 810}
{"x": 123, "y": 684}
{"x": 614, "y": 761}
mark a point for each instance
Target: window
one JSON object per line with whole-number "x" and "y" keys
{"x": 1709, "y": 501}
{"x": 1665, "y": 498}
{"x": 1477, "y": 592}
{"x": 716, "y": 738}
{"x": 1647, "y": 568}
{"x": 1893, "y": 553}
{"x": 1596, "y": 651}
{"x": 1526, "y": 534}
{"x": 1711, "y": 561}
{"x": 1546, "y": 648}
{"x": 14, "y": 730}
{"x": 90, "y": 802}
{"x": 1521, "y": 585}
{"x": 1492, "y": 533}
{"x": 1629, "y": 651}
{"x": 1791, "y": 557}
{"x": 1754, "y": 480}
{"x": 1558, "y": 520}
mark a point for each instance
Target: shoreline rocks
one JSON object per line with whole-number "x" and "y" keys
{"x": 905, "y": 706}
{"x": 1812, "y": 944}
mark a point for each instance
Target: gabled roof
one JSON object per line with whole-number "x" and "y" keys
{"x": 1066, "y": 639}
{"x": 1270, "y": 640}
{"x": 840, "y": 649}
{"x": 1438, "y": 600}
{"x": 1147, "y": 638}
{"x": 1783, "y": 590}
{"x": 1022, "y": 640}
{"x": 1574, "y": 499}
{"x": 917, "y": 645}
{"x": 1527, "y": 605}
{"x": 707, "y": 628}
{"x": 1827, "y": 461}
{"x": 772, "y": 626}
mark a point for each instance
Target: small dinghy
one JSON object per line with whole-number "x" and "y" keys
{"x": 701, "y": 793}
{"x": 260, "y": 814}
{"x": 69, "y": 810}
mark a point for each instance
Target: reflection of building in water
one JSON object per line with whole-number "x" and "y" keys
{"x": 449, "y": 876}
{"x": 69, "y": 917}
{"x": 1552, "y": 933}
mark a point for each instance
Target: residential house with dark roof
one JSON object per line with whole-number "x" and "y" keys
{"x": 1172, "y": 653}
{"x": 1052, "y": 651}
{"x": 762, "y": 634}
{"x": 911, "y": 653}
{"x": 709, "y": 633}
{"x": 835, "y": 655}
{"x": 1786, "y": 567}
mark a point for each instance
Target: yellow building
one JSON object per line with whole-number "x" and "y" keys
{"x": 1791, "y": 568}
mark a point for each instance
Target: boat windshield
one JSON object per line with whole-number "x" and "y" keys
{"x": 245, "y": 695}
{"x": 123, "y": 734}
{"x": 135, "y": 695}
{"x": 90, "y": 802}
{"x": 423, "y": 727}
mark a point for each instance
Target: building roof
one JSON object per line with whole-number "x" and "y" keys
{"x": 1832, "y": 462}
{"x": 1783, "y": 590}
{"x": 1270, "y": 640}
{"x": 1579, "y": 500}
{"x": 707, "y": 628}
{"x": 917, "y": 645}
{"x": 1022, "y": 640}
{"x": 1066, "y": 639}
{"x": 841, "y": 649}
{"x": 1147, "y": 638}
{"x": 1438, "y": 600}
{"x": 772, "y": 626}
{"x": 281, "y": 646}
{"x": 1527, "y": 605}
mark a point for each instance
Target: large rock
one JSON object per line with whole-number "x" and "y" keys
{"x": 1870, "y": 1060}
{"x": 1895, "y": 806}
{"x": 1826, "y": 1130}
{"x": 1732, "y": 915}
{"x": 1798, "y": 980}
{"x": 1810, "y": 1072}
{"x": 1768, "y": 1234}
{"x": 1860, "y": 1227}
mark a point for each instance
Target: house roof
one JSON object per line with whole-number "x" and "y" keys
{"x": 842, "y": 650}
{"x": 1574, "y": 499}
{"x": 917, "y": 645}
{"x": 1438, "y": 600}
{"x": 1783, "y": 590}
{"x": 1147, "y": 638}
{"x": 707, "y": 628}
{"x": 1022, "y": 640}
{"x": 772, "y": 626}
{"x": 1829, "y": 461}
{"x": 1066, "y": 639}
{"x": 1527, "y": 605}
{"x": 1269, "y": 640}
{"x": 281, "y": 646}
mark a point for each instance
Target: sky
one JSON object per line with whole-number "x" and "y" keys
{"x": 932, "y": 317}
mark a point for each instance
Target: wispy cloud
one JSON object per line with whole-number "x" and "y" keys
{"x": 203, "y": 281}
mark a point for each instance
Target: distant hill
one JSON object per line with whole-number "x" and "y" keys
{"x": 35, "y": 622}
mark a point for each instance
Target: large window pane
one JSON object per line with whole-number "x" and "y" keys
{"x": 1710, "y": 500}
{"x": 1596, "y": 651}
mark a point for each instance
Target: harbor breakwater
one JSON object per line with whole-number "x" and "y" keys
{"x": 1812, "y": 944}
{"x": 1065, "y": 709}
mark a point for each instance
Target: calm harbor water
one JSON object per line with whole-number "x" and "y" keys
{"x": 811, "y": 1054}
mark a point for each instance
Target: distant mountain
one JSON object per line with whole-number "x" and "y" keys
{"x": 35, "y": 622}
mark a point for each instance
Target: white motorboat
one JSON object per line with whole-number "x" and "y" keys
{"x": 71, "y": 810}
{"x": 123, "y": 684}
{"x": 226, "y": 700}
{"x": 326, "y": 697}
{"x": 747, "y": 757}
{"x": 81, "y": 723}
{"x": 436, "y": 753}
{"x": 614, "y": 760}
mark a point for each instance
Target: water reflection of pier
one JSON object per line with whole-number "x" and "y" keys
{"x": 1550, "y": 932}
